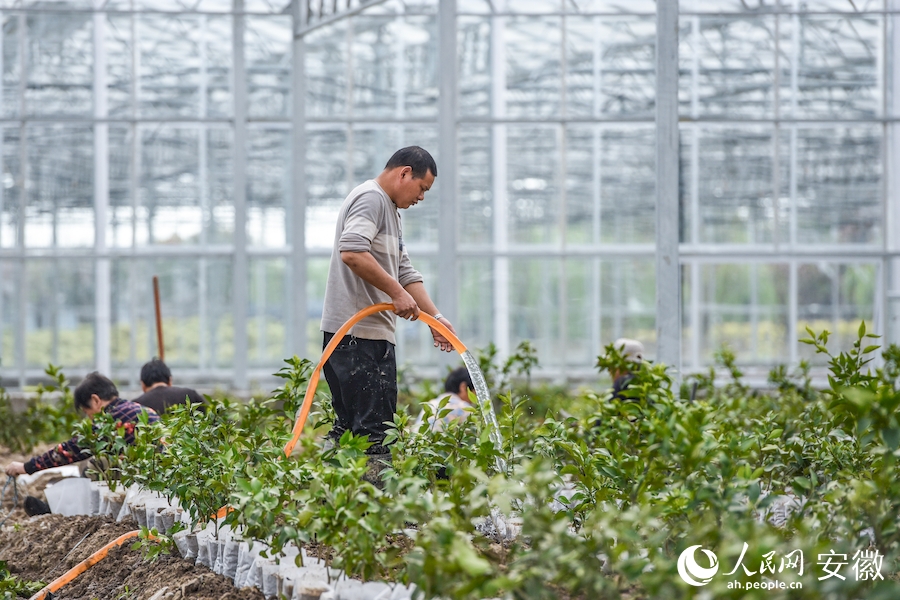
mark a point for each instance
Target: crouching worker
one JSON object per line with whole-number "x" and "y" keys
{"x": 159, "y": 393}
{"x": 94, "y": 395}
{"x": 456, "y": 392}
{"x": 633, "y": 352}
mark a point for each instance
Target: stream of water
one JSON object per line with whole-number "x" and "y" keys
{"x": 484, "y": 404}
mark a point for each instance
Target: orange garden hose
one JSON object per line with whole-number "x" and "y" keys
{"x": 84, "y": 565}
{"x": 100, "y": 554}
{"x": 338, "y": 336}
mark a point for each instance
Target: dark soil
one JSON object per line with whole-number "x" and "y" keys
{"x": 35, "y": 489}
{"x": 43, "y": 548}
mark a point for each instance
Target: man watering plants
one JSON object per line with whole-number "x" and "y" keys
{"x": 369, "y": 265}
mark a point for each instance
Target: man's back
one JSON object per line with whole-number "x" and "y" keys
{"x": 162, "y": 397}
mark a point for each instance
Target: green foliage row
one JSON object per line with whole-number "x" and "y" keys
{"x": 12, "y": 587}
{"x": 44, "y": 419}
{"x": 609, "y": 490}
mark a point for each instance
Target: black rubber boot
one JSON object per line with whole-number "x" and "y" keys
{"x": 376, "y": 466}
{"x": 35, "y": 506}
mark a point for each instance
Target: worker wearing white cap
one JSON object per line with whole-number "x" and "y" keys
{"x": 632, "y": 350}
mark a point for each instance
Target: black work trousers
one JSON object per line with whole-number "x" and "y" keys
{"x": 362, "y": 375}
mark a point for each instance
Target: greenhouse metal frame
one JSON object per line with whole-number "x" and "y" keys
{"x": 694, "y": 174}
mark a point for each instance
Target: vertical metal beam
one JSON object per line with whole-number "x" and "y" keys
{"x": 240, "y": 277}
{"x": 668, "y": 269}
{"x": 102, "y": 277}
{"x": 562, "y": 140}
{"x": 892, "y": 176}
{"x": 793, "y": 313}
{"x": 297, "y": 207}
{"x": 22, "y": 299}
{"x": 499, "y": 170}
{"x": 695, "y": 269}
{"x": 206, "y": 220}
{"x": 448, "y": 281}
{"x": 133, "y": 188}
{"x": 2, "y": 195}
{"x": 596, "y": 315}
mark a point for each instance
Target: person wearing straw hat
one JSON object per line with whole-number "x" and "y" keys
{"x": 370, "y": 265}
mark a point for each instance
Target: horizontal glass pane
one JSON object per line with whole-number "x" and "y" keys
{"x": 11, "y": 216}
{"x": 169, "y": 207}
{"x": 534, "y": 6}
{"x": 533, "y": 185}
{"x": 610, "y": 67}
{"x": 474, "y": 50}
{"x": 582, "y": 326}
{"x": 11, "y": 276}
{"x": 376, "y": 62}
{"x": 327, "y": 65}
{"x": 476, "y": 6}
{"x": 173, "y": 5}
{"x": 217, "y": 187}
{"x": 268, "y": 186}
{"x": 734, "y": 184}
{"x": 268, "y": 51}
{"x": 836, "y": 297}
{"x": 59, "y": 64}
{"x": 743, "y": 308}
{"x": 611, "y": 6}
{"x": 841, "y": 5}
{"x": 757, "y": 6}
{"x": 417, "y": 81}
{"x": 119, "y": 48}
{"x": 12, "y": 65}
{"x": 727, "y": 67}
{"x": 269, "y": 316}
{"x": 583, "y": 189}
{"x": 534, "y": 300}
{"x": 63, "y": 4}
{"x": 628, "y": 302}
{"x": 475, "y": 324}
{"x": 476, "y": 174}
{"x": 59, "y": 317}
{"x": 727, "y": 6}
{"x": 167, "y": 90}
{"x": 60, "y": 198}
{"x": 196, "y": 308}
{"x": 839, "y": 179}
{"x": 830, "y": 67}
{"x": 267, "y": 6}
{"x": 627, "y": 185}
{"x": 216, "y": 67}
{"x": 328, "y": 183}
{"x": 533, "y": 73}
{"x": 316, "y": 278}
{"x": 120, "y": 214}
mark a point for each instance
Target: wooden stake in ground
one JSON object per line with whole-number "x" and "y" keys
{"x": 159, "y": 332}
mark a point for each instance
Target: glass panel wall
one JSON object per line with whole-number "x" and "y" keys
{"x": 156, "y": 138}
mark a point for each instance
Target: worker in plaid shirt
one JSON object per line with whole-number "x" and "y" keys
{"x": 95, "y": 394}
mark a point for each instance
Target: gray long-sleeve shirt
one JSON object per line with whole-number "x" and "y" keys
{"x": 368, "y": 222}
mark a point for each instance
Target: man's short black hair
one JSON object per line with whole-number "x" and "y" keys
{"x": 155, "y": 371}
{"x": 415, "y": 157}
{"x": 456, "y": 377}
{"x": 94, "y": 383}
